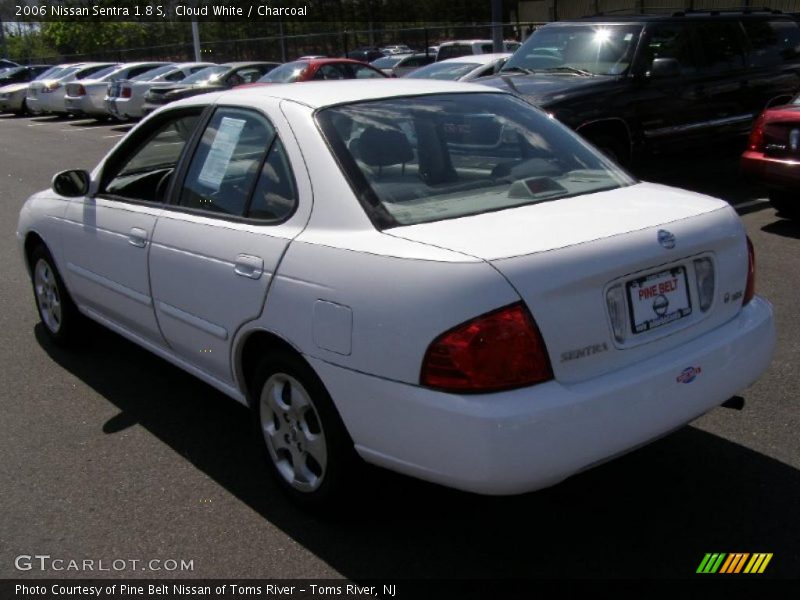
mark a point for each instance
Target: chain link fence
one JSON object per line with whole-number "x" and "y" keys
{"x": 286, "y": 47}
{"x": 337, "y": 41}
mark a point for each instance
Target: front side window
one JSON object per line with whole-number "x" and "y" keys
{"x": 227, "y": 162}
{"x": 599, "y": 49}
{"x": 143, "y": 172}
{"x": 427, "y": 158}
{"x": 671, "y": 40}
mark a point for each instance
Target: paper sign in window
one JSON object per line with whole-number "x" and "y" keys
{"x": 219, "y": 156}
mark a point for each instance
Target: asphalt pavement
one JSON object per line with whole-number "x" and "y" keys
{"x": 111, "y": 453}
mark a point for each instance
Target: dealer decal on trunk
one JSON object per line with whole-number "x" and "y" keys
{"x": 688, "y": 375}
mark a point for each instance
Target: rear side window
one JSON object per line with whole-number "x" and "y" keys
{"x": 275, "y": 196}
{"x": 772, "y": 42}
{"x": 721, "y": 43}
{"x": 227, "y": 162}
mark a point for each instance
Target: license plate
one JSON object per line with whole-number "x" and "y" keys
{"x": 658, "y": 299}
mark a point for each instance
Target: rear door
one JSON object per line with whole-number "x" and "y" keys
{"x": 218, "y": 245}
{"x": 773, "y": 62}
{"x": 725, "y": 86}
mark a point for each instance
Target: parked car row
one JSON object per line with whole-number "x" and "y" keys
{"x": 631, "y": 85}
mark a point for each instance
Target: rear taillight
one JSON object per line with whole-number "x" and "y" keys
{"x": 500, "y": 350}
{"x": 750, "y": 288}
{"x": 81, "y": 91}
{"x": 51, "y": 87}
{"x": 756, "y": 142}
{"x": 125, "y": 92}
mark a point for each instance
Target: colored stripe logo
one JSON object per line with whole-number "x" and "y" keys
{"x": 737, "y": 562}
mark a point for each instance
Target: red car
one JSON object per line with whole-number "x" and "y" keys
{"x": 773, "y": 156}
{"x": 319, "y": 69}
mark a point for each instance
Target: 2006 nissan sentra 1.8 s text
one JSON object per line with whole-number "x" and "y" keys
{"x": 436, "y": 277}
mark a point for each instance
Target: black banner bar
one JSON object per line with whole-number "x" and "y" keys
{"x": 326, "y": 589}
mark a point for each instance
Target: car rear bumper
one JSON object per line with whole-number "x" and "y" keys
{"x": 526, "y": 439}
{"x": 84, "y": 106}
{"x": 773, "y": 172}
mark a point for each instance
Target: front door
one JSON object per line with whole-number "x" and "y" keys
{"x": 671, "y": 109}
{"x": 108, "y": 234}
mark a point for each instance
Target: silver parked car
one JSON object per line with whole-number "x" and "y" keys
{"x": 12, "y": 96}
{"x": 86, "y": 97}
{"x": 463, "y": 68}
{"x": 400, "y": 65}
{"x": 125, "y": 99}
{"x": 46, "y": 96}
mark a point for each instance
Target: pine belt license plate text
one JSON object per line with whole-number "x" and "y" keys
{"x": 658, "y": 299}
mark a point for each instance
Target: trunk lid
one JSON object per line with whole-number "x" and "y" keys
{"x": 781, "y": 131}
{"x": 564, "y": 256}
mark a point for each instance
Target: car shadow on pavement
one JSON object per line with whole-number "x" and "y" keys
{"x": 712, "y": 170}
{"x": 654, "y": 512}
{"x": 785, "y": 227}
{"x": 90, "y": 123}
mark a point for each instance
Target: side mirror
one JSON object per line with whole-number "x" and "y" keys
{"x": 665, "y": 67}
{"x": 71, "y": 184}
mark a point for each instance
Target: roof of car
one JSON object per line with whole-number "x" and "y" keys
{"x": 247, "y": 63}
{"x": 611, "y": 17}
{"x": 480, "y": 59}
{"x": 326, "y": 60}
{"x": 319, "y": 94}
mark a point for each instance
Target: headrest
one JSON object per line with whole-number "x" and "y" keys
{"x": 384, "y": 147}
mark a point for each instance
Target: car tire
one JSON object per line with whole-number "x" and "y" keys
{"x": 60, "y": 317}
{"x": 786, "y": 203}
{"x": 302, "y": 437}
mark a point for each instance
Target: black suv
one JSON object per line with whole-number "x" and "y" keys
{"x": 651, "y": 82}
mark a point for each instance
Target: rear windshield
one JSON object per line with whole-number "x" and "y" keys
{"x": 451, "y": 71}
{"x": 387, "y": 62}
{"x": 51, "y": 72}
{"x": 599, "y": 49}
{"x": 286, "y": 73}
{"x": 153, "y": 73}
{"x": 103, "y": 73}
{"x": 207, "y": 74}
{"x": 427, "y": 158}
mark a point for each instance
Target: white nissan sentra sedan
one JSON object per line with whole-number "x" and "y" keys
{"x": 436, "y": 277}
